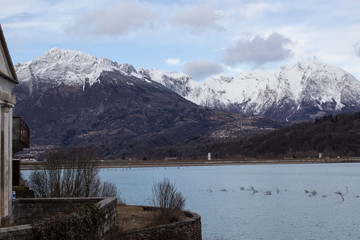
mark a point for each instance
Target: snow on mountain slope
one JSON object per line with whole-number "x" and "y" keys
{"x": 317, "y": 81}
{"x": 247, "y": 88}
{"x": 71, "y": 67}
{"x": 291, "y": 93}
{"x": 177, "y": 82}
{"x": 307, "y": 88}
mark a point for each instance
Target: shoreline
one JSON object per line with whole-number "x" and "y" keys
{"x": 189, "y": 163}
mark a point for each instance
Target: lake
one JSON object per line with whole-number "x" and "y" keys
{"x": 293, "y": 201}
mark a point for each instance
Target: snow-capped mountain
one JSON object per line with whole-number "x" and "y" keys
{"x": 300, "y": 92}
{"x": 70, "y": 98}
{"x": 69, "y": 67}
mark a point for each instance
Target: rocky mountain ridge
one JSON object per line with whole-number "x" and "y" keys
{"x": 110, "y": 108}
{"x": 301, "y": 92}
{"x": 304, "y": 91}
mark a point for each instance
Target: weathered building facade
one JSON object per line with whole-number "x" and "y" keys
{"x": 8, "y": 80}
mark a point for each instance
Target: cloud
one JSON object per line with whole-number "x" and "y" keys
{"x": 116, "y": 20}
{"x": 258, "y": 50}
{"x": 173, "y": 62}
{"x": 255, "y": 10}
{"x": 199, "y": 18}
{"x": 357, "y": 49}
{"x": 201, "y": 69}
{"x": 20, "y": 8}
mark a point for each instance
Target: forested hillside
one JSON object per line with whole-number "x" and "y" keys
{"x": 331, "y": 135}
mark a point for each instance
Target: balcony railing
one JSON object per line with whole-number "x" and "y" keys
{"x": 21, "y": 134}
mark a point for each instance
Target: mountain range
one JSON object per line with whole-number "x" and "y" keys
{"x": 71, "y": 98}
{"x": 305, "y": 91}
{"x": 301, "y": 92}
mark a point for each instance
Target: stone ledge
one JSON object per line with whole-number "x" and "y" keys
{"x": 187, "y": 229}
{"x": 20, "y": 232}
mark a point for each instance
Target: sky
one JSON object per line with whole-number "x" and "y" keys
{"x": 198, "y": 37}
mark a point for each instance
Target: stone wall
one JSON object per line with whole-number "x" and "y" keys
{"x": 188, "y": 229}
{"x": 20, "y": 232}
{"x": 108, "y": 206}
{"x": 27, "y": 211}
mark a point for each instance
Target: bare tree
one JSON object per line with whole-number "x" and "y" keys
{"x": 70, "y": 172}
{"x": 168, "y": 199}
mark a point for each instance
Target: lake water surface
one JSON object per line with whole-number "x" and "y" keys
{"x": 230, "y": 210}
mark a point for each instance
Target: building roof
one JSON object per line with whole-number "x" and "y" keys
{"x": 7, "y": 69}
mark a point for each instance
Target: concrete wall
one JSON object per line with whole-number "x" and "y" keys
{"x": 26, "y": 211}
{"x": 189, "y": 229}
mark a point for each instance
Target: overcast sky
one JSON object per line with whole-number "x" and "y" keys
{"x": 198, "y": 37}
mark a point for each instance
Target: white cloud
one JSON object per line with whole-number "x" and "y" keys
{"x": 173, "y": 62}
{"x": 201, "y": 69}
{"x": 199, "y": 18}
{"x": 115, "y": 20}
{"x": 259, "y": 50}
{"x": 255, "y": 10}
{"x": 21, "y": 8}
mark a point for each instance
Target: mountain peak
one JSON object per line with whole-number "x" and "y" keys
{"x": 56, "y": 50}
{"x": 58, "y": 54}
{"x": 69, "y": 67}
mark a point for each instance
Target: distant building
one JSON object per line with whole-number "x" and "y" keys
{"x": 8, "y": 80}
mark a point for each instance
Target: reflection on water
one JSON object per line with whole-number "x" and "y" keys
{"x": 258, "y": 201}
